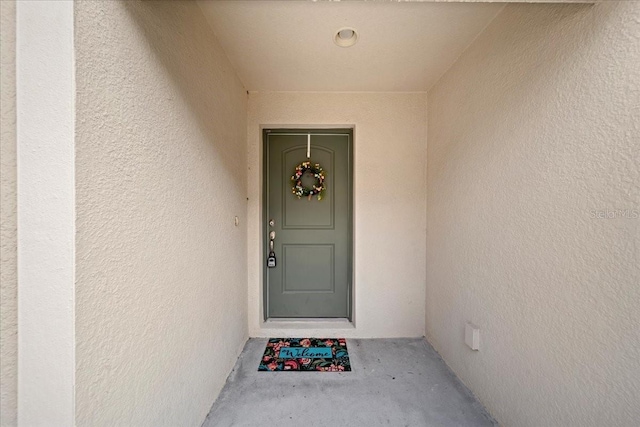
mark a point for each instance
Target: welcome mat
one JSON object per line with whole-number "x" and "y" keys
{"x": 306, "y": 354}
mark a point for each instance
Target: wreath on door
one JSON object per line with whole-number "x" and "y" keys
{"x": 316, "y": 189}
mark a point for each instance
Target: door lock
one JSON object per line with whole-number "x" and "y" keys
{"x": 271, "y": 259}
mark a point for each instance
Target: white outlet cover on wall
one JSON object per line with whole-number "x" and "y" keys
{"x": 472, "y": 336}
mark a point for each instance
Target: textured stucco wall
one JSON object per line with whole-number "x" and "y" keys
{"x": 533, "y": 134}
{"x": 389, "y": 204}
{"x": 8, "y": 268}
{"x": 161, "y": 173}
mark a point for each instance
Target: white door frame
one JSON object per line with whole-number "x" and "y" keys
{"x": 45, "y": 121}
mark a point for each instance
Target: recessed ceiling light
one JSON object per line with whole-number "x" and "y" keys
{"x": 346, "y": 37}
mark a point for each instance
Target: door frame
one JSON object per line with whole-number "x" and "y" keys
{"x": 265, "y": 209}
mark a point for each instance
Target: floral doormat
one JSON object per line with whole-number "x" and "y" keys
{"x": 306, "y": 354}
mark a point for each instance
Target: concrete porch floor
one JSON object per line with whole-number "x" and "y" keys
{"x": 393, "y": 382}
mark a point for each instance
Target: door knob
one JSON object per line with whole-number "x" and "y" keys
{"x": 272, "y": 237}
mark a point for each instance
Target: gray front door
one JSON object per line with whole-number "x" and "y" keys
{"x": 312, "y": 245}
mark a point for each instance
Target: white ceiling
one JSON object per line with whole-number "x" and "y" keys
{"x": 288, "y": 45}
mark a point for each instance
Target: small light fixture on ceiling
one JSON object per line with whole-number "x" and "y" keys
{"x": 346, "y": 37}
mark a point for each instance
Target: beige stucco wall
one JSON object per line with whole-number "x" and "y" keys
{"x": 533, "y": 136}
{"x": 161, "y": 173}
{"x": 389, "y": 206}
{"x": 8, "y": 268}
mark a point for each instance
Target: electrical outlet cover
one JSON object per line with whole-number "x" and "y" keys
{"x": 472, "y": 336}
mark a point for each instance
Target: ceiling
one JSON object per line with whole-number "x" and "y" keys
{"x": 289, "y": 46}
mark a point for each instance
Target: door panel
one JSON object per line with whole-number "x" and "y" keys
{"x": 315, "y": 263}
{"x": 312, "y": 277}
{"x": 298, "y": 215}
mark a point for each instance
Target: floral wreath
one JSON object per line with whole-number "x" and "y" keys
{"x": 317, "y": 189}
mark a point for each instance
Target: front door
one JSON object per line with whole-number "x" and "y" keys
{"x": 309, "y": 273}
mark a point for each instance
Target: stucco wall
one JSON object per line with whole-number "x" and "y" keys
{"x": 533, "y": 136}
{"x": 161, "y": 173}
{"x": 8, "y": 268}
{"x": 389, "y": 205}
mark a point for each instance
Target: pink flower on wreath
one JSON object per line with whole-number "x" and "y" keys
{"x": 342, "y": 341}
{"x": 305, "y": 342}
{"x": 329, "y": 343}
{"x": 266, "y": 358}
{"x": 305, "y": 361}
{"x": 272, "y": 366}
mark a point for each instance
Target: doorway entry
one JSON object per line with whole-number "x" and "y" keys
{"x": 308, "y": 223}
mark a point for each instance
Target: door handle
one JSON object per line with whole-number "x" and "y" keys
{"x": 271, "y": 259}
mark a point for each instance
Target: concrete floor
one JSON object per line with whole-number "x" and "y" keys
{"x": 394, "y": 382}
